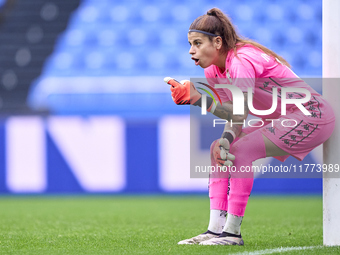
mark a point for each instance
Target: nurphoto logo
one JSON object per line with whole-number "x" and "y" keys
{"x": 238, "y": 104}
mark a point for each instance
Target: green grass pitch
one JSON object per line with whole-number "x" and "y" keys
{"x": 153, "y": 225}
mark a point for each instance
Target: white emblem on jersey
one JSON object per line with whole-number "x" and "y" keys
{"x": 265, "y": 56}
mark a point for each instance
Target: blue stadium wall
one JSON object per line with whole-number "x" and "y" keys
{"x": 114, "y": 155}
{"x": 115, "y": 128}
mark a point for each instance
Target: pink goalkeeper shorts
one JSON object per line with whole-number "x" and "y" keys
{"x": 294, "y": 133}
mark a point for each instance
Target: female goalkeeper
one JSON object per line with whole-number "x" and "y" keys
{"x": 306, "y": 122}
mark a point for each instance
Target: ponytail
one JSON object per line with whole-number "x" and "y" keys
{"x": 217, "y": 23}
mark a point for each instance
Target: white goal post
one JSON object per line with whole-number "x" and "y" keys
{"x": 331, "y": 91}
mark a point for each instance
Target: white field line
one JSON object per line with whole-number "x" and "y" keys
{"x": 278, "y": 250}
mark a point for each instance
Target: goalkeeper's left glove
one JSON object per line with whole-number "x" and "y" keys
{"x": 221, "y": 153}
{"x": 183, "y": 92}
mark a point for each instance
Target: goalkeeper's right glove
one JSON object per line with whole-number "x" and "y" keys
{"x": 183, "y": 92}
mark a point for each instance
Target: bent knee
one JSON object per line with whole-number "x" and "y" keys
{"x": 242, "y": 145}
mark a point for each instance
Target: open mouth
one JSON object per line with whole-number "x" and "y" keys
{"x": 196, "y": 60}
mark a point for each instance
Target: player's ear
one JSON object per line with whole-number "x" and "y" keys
{"x": 218, "y": 42}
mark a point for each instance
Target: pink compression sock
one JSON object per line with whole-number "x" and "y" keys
{"x": 246, "y": 150}
{"x": 218, "y": 187}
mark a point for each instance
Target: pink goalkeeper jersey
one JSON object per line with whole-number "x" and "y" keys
{"x": 254, "y": 69}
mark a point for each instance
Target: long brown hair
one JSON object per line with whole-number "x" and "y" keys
{"x": 216, "y": 22}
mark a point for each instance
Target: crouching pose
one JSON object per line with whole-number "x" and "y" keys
{"x": 305, "y": 122}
